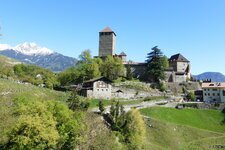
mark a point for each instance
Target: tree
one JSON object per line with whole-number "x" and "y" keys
{"x": 156, "y": 65}
{"x": 76, "y": 102}
{"x": 129, "y": 73}
{"x": 112, "y": 68}
{"x": 191, "y": 96}
{"x": 101, "y": 106}
{"x": 35, "y": 128}
{"x": 86, "y": 68}
{"x": 134, "y": 131}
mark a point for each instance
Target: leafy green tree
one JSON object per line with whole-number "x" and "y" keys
{"x": 134, "y": 131}
{"x": 45, "y": 125}
{"x": 35, "y": 75}
{"x": 191, "y": 96}
{"x": 76, "y": 102}
{"x": 112, "y": 68}
{"x": 69, "y": 76}
{"x": 85, "y": 56}
{"x": 86, "y": 68}
{"x": 70, "y": 125}
{"x": 101, "y": 106}
{"x": 156, "y": 65}
{"x": 35, "y": 128}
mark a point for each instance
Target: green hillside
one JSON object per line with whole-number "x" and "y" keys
{"x": 170, "y": 128}
{"x": 203, "y": 119}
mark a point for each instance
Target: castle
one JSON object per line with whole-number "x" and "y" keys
{"x": 179, "y": 66}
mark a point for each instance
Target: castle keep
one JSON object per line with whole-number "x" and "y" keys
{"x": 179, "y": 66}
{"x": 107, "y": 42}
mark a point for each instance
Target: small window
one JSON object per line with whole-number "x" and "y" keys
{"x": 223, "y": 93}
{"x": 218, "y": 94}
{"x": 205, "y": 94}
{"x": 102, "y": 89}
{"x": 214, "y": 89}
{"x": 97, "y": 89}
{"x": 204, "y": 89}
{"x": 208, "y": 89}
{"x": 213, "y": 94}
{"x": 106, "y": 89}
{"x": 208, "y": 94}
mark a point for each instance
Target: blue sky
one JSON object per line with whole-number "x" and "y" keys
{"x": 194, "y": 28}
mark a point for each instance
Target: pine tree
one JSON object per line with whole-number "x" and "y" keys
{"x": 156, "y": 65}
{"x": 129, "y": 73}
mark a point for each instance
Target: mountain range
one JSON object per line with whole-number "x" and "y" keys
{"x": 214, "y": 76}
{"x": 31, "y": 53}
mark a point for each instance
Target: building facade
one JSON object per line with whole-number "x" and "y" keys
{"x": 99, "y": 88}
{"x": 213, "y": 92}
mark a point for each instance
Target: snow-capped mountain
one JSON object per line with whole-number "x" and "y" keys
{"x": 32, "y": 49}
{"x": 33, "y": 54}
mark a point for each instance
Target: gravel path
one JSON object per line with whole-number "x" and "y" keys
{"x": 140, "y": 106}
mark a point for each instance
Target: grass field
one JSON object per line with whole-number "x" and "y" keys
{"x": 184, "y": 129}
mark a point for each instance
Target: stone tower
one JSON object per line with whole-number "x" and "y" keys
{"x": 107, "y": 42}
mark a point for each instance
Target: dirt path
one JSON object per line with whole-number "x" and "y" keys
{"x": 139, "y": 106}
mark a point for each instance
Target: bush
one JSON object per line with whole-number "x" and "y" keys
{"x": 191, "y": 96}
{"x": 223, "y": 111}
{"x": 151, "y": 98}
{"x": 134, "y": 131}
{"x": 76, "y": 102}
{"x": 44, "y": 125}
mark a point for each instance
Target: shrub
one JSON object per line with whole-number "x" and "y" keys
{"x": 44, "y": 125}
{"x": 101, "y": 106}
{"x": 134, "y": 131}
{"x": 191, "y": 96}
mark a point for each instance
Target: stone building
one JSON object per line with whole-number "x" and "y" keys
{"x": 97, "y": 88}
{"x": 179, "y": 69}
{"x": 107, "y": 42}
{"x": 213, "y": 92}
{"x": 179, "y": 66}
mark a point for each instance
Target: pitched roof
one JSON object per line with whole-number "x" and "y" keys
{"x": 107, "y": 29}
{"x": 98, "y": 78}
{"x": 178, "y": 57}
{"x": 123, "y": 54}
{"x": 213, "y": 85}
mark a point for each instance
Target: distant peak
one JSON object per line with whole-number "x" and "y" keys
{"x": 32, "y": 49}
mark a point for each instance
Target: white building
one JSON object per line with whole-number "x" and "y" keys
{"x": 99, "y": 88}
{"x": 213, "y": 92}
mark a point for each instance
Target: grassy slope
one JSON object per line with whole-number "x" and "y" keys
{"x": 175, "y": 129}
{"x": 6, "y": 61}
{"x": 203, "y": 119}
{"x": 9, "y": 90}
{"x": 173, "y": 136}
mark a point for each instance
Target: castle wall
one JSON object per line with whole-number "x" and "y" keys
{"x": 137, "y": 69}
